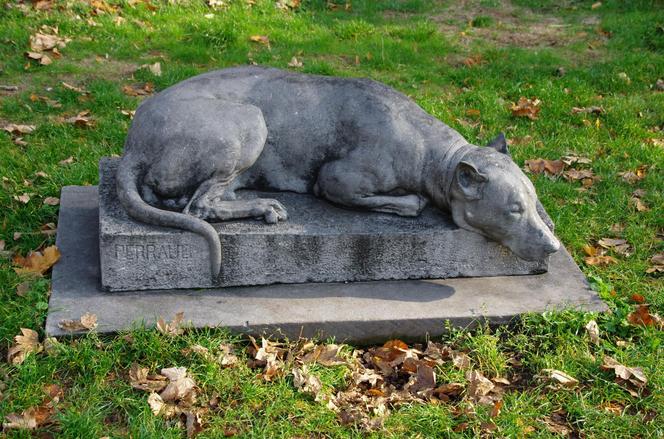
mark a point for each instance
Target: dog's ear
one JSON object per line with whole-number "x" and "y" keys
{"x": 469, "y": 181}
{"x": 500, "y": 144}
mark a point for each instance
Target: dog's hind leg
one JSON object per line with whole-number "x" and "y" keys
{"x": 341, "y": 183}
{"x": 215, "y": 201}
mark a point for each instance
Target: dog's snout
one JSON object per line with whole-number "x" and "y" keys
{"x": 552, "y": 245}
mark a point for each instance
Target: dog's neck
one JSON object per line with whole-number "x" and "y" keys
{"x": 440, "y": 170}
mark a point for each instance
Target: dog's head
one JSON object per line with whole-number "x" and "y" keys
{"x": 490, "y": 195}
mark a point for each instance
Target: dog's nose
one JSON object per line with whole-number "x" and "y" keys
{"x": 552, "y": 245}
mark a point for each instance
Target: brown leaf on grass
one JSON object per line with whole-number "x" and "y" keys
{"x": 447, "y": 391}
{"x": 17, "y": 129}
{"x": 23, "y": 198}
{"x": 138, "y": 89}
{"x": 641, "y": 317}
{"x": 474, "y": 113}
{"x": 68, "y": 161}
{"x": 600, "y": 261}
{"x": 559, "y": 378}
{"x": 81, "y": 120}
{"x": 174, "y": 327}
{"x": 23, "y": 288}
{"x": 155, "y": 68}
{"x": 261, "y": 39}
{"x": 86, "y": 322}
{"x": 180, "y": 388}
{"x": 657, "y": 262}
{"x": 588, "y": 110}
{"x": 585, "y": 175}
{"x": 479, "y": 387}
{"x": 74, "y": 88}
{"x": 47, "y": 39}
{"x": 473, "y": 60}
{"x": 423, "y": 382}
{"x": 35, "y": 417}
{"x": 294, "y": 62}
{"x": 557, "y": 423}
{"x": 306, "y": 382}
{"x": 327, "y": 355}
{"x": 572, "y": 159}
{"x": 592, "y": 329}
{"x": 227, "y": 356}
{"x": 48, "y": 101}
{"x": 460, "y": 360}
{"x": 620, "y": 246}
{"x": 268, "y": 356}
{"x": 632, "y": 177}
{"x": 631, "y": 379}
{"x": 526, "y": 107}
{"x": 36, "y": 262}
{"x": 139, "y": 378}
{"x": 26, "y": 343}
{"x": 288, "y": 4}
{"x": 638, "y": 204}
{"x": 51, "y": 201}
{"x": 549, "y": 167}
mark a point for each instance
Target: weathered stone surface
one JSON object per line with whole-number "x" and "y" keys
{"x": 318, "y": 243}
{"x": 359, "y": 312}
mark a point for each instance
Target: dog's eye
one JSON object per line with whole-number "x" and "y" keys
{"x": 516, "y": 209}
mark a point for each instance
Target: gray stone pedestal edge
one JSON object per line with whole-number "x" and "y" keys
{"x": 360, "y": 312}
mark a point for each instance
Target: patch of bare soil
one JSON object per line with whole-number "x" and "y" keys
{"x": 510, "y": 25}
{"x": 109, "y": 68}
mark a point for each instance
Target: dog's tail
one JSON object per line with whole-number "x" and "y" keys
{"x": 127, "y": 179}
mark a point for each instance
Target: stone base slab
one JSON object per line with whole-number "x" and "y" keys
{"x": 360, "y": 312}
{"x": 318, "y": 243}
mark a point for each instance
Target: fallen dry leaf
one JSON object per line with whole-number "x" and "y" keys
{"x": 269, "y": 356}
{"x": 294, "y": 62}
{"x": 262, "y": 39}
{"x": 19, "y": 129}
{"x": 181, "y": 386}
{"x": 549, "y": 167}
{"x": 36, "y": 263}
{"x": 174, "y": 327}
{"x": 327, "y": 355}
{"x": 23, "y": 288}
{"x": 306, "y": 382}
{"x": 26, "y": 342}
{"x": 478, "y": 386}
{"x": 620, "y": 246}
{"x": 139, "y": 378}
{"x": 561, "y": 379}
{"x": 572, "y": 159}
{"x": 23, "y": 198}
{"x": 589, "y": 110}
{"x": 86, "y": 322}
{"x": 601, "y": 261}
{"x": 81, "y": 120}
{"x": 557, "y": 423}
{"x": 138, "y": 89}
{"x": 631, "y": 379}
{"x": 129, "y": 113}
{"x": 68, "y": 161}
{"x": 641, "y": 317}
{"x": 638, "y": 204}
{"x": 155, "y": 68}
{"x": 592, "y": 329}
{"x": 51, "y": 201}
{"x": 526, "y": 107}
{"x": 226, "y": 355}
{"x": 74, "y": 88}
{"x": 657, "y": 262}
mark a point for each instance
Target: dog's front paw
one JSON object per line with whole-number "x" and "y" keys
{"x": 411, "y": 205}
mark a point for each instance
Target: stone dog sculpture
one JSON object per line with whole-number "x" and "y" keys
{"x": 355, "y": 142}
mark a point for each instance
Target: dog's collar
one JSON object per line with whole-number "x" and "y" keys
{"x": 453, "y": 156}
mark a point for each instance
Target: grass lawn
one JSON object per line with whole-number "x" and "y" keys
{"x": 464, "y": 63}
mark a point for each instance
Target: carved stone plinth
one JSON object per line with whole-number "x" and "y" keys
{"x": 318, "y": 243}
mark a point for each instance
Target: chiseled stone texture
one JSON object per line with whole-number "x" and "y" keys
{"x": 318, "y": 243}
{"x": 359, "y": 312}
